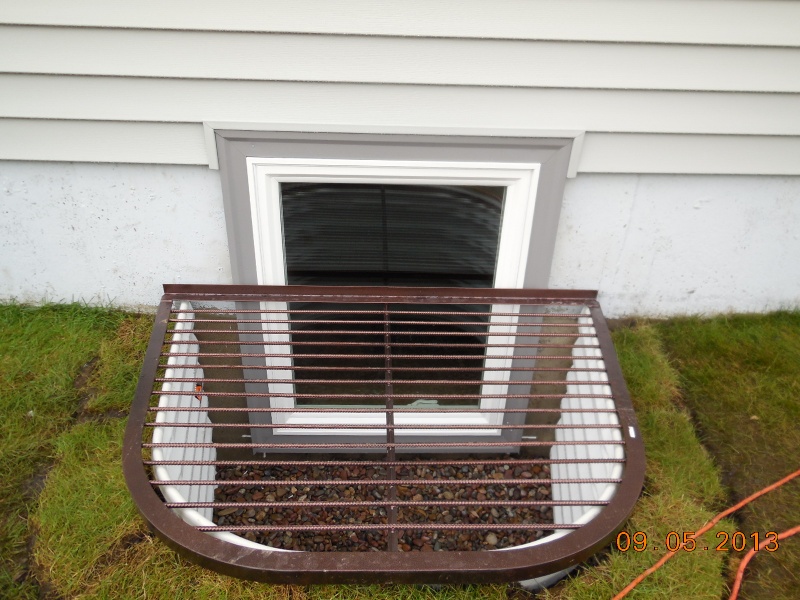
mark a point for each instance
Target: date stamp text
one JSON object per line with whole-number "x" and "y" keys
{"x": 638, "y": 541}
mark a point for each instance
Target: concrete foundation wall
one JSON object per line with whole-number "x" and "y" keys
{"x": 661, "y": 245}
{"x": 652, "y": 244}
{"x": 108, "y": 233}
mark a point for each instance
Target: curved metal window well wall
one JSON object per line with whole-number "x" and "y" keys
{"x": 312, "y": 511}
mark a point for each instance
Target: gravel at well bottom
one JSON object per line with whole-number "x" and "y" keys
{"x": 449, "y": 489}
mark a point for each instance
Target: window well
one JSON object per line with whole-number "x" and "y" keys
{"x": 510, "y": 452}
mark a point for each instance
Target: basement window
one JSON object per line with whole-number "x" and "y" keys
{"x": 387, "y": 223}
{"x": 255, "y": 164}
{"x": 391, "y": 210}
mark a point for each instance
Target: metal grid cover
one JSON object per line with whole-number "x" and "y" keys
{"x": 351, "y": 422}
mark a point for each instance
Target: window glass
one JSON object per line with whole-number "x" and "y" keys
{"x": 439, "y": 236}
{"x": 392, "y": 235}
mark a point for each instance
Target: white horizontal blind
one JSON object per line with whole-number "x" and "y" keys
{"x": 347, "y": 234}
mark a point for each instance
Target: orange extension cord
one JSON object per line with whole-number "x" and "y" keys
{"x": 707, "y": 527}
{"x": 747, "y": 557}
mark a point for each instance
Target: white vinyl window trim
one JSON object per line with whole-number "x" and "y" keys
{"x": 265, "y": 176}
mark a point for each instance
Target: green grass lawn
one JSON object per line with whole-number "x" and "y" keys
{"x": 717, "y": 401}
{"x": 741, "y": 382}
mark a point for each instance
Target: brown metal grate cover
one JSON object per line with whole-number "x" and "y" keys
{"x": 298, "y": 434}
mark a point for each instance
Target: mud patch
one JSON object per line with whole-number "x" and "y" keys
{"x": 85, "y": 391}
{"x": 47, "y": 591}
{"x": 622, "y": 323}
{"x": 22, "y": 562}
{"x": 85, "y": 374}
{"x": 25, "y": 567}
{"x": 105, "y": 417}
{"x": 117, "y": 552}
{"x": 30, "y": 492}
{"x": 34, "y": 486}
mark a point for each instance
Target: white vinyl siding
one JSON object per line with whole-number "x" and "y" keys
{"x": 691, "y": 154}
{"x": 183, "y": 144}
{"x": 667, "y": 86}
{"x": 426, "y": 61}
{"x": 195, "y": 101}
{"x": 102, "y": 141}
{"x": 727, "y": 22}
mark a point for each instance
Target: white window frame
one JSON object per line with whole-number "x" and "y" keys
{"x": 265, "y": 176}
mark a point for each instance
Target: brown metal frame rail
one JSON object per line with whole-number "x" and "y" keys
{"x": 457, "y": 566}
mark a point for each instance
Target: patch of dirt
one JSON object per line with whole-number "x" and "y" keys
{"x": 22, "y": 561}
{"x": 34, "y": 486}
{"x": 117, "y": 552}
{"x": 624, "y": 323}
{"x": 105, "y": 417}
{"x": 26, "y": 567}
{"x": 85, "y": 374}
{"x": 24, "y": 564}
{"x": 517, "y": 592}
{"x": 30, "y": 492}
{"x": 132, "y": 539}
{"x": 47, "y": 590}
{"x": 86, "y": 392}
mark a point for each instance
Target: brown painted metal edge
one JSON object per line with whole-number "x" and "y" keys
{"x": 279, "y": 566}
{"x": 369, "y": 294}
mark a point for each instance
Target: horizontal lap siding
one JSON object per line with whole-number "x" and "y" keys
{"x": 708, "y": 87}
{"x": 739, "y": 22}
{"x": 363, "y": 59}
{"x": 176, "y": 100}
{"x": 690, "y": 154}
{"x": 183, "y": 144}
{"x": 102, "y": 141}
